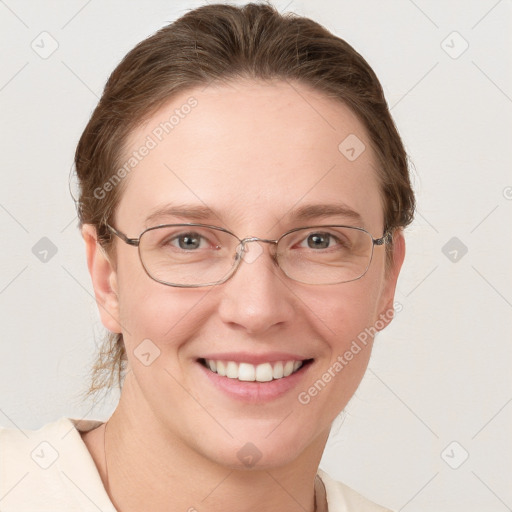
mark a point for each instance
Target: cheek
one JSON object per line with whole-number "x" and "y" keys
{"x": 163, "y": 314}
{"x": 342, "y": 311}
{"x": 148, "y": 309}
{"x": 344, "y": 318}
{"x": 158, "y": 324}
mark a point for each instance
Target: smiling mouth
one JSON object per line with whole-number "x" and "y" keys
{"x": 247, "y": 372}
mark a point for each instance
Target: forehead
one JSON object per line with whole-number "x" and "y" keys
{"x": 251, "y": 153}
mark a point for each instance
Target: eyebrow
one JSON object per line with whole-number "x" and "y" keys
{"x": 303, "y": 213}
{"x": 189, "y": 212}
{"x": 315, "y": 211}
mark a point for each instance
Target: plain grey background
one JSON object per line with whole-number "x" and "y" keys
{"x": 429, "y": 427}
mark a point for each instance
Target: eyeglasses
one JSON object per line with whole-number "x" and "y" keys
{"x": 196, "y": 255}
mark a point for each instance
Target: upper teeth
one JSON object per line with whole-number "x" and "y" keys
{"x": 264, "y": 372}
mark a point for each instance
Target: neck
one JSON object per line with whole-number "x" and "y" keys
{"x": 147, "y": 469}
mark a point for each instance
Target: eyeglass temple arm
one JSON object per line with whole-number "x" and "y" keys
{"x": 384, "y": 239}
{"x": 123, "y": 237}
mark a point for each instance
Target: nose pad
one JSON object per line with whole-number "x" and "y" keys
{"x": 251, "y": 252}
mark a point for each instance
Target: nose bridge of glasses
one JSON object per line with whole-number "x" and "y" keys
{"x": 244, "y": 241}
{"x": 257, "y": 239}
{"x": 242, "y": 248}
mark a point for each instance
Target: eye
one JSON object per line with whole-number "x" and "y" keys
{"x": 187, "y": 241}
{"x": 319, "y": 240}
{"x": 322, "y": 240}
{"x": 183, "y": 240}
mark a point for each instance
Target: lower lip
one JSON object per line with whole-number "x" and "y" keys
{"x": 255, "y": 392}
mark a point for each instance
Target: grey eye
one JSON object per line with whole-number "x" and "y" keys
{"x": 189, "y": 241}
{"x": 319, "y": 240}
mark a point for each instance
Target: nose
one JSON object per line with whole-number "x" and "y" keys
{"x": 257, "y": 297}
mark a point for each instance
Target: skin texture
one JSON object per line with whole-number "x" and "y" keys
{"x": 252, "y": 152}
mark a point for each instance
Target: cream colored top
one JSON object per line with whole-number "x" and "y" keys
{"x": 51, "y": 470}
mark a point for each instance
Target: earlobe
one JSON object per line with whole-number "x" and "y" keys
{"x": 104, "y": 279}
{"x": 391, "y": 277}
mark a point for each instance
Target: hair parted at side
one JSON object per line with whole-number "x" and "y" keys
{"x": 222, "y": 42}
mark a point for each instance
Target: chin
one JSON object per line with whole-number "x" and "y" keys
{"x": 256, "y": 452}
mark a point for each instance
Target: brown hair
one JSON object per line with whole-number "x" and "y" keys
{"x": 215, "y": 43}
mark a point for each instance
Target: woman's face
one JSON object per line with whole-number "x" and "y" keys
{"x": 251, "y": 155}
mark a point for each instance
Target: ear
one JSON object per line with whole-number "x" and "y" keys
{"x": 104, "y": 279}
{"x": 392, "y": 272}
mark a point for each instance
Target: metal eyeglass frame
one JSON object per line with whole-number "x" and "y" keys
{"x": 384, "y": 239}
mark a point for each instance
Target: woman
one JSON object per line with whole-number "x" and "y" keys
{"x": 243, "y": 196}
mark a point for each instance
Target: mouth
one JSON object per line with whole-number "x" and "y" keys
{"x": 247, "y": 372}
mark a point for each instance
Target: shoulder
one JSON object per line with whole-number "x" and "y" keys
{"x": 49, "y": 469}
{"x": 341, "y": 498}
